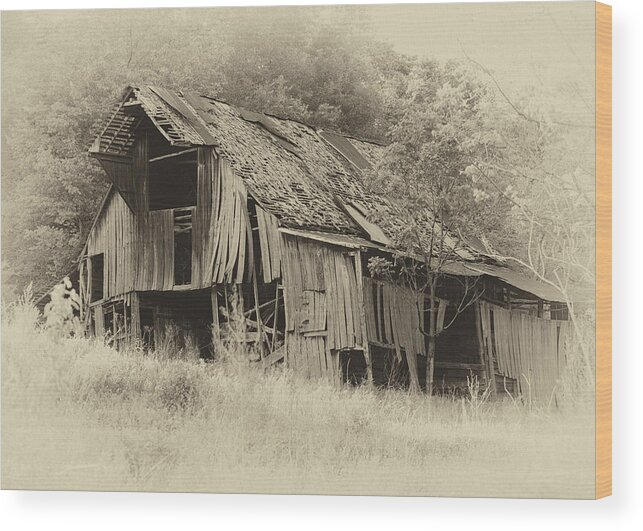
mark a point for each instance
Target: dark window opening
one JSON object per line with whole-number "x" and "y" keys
{"x": 459, "y": 342}
{"x": 108, "y": 320}
{"x": 173, "y": 181}
{"x": 559, "y": 312}
{"x": 174, "y": 321}
{"x": 147, "y": 327}
{"x": 98, "y": 271}
{"x": 353, "y": 365}
{"x": 389, "y": 371}
{"x": 182, "y": 247}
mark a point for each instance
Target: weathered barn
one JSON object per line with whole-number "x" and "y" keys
{"x": 214, "y": 208}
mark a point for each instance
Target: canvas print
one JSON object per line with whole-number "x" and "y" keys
{"x": 304, "y": 250}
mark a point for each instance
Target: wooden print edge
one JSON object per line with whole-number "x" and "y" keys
{"x": 603, "y": 484}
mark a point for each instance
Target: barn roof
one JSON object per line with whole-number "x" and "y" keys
{"x": 310, "y": 179}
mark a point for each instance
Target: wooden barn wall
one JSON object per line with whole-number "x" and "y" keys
{"x": 227, "y": 250}
{"x": 322, "y": 309}
{"x": 139, "y": 247}
{"x": 139, "y": 250}
{"x": 393, "y": 319}
{"x": 270, "y": 244}
{"x": 207, "y": 170}
{"x": 527, "y": 349}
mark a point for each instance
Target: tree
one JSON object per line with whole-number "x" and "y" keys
{"x": 427, "y": 170}
{"x": 465, "y": 163}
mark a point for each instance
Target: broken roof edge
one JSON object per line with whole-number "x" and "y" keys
{"x": 94, "y": 147}
{"x": 520, "y": 281}
{"x": 316, "y": 128}
{"x": 349, "y": 136}
{"x": 185, "y": 109}
{"x": 341, "y": 240}
{"x": 458, "y": 268}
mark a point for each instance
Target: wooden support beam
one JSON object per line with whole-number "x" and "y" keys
{"x": 480, "y": 335}
{"x": 273, "y": 358}
{"x": 284, "y": 293}
{"x": 316, "y": 333}
{"x": 172, "y": 155}
{"x": 226, "y": 298}
{"x": 490, "y": 365}
{"x": 264, "y": 327}
{"x": 485, "y": 348}
{"x": 274, "y": 323}
{"x": 135, "y": 313}
{"x": 99, "y": 319}
{"x": 81, "y": 288}
{"x": 216, "y": 327}
{"x": 253, "y": 310}
{"x": 388, "y": 346}
{"x": 126, "y": 330}
{"x": 89, "y": 289}
{"x": 255, "y": 289}
{"x": 476, "y": 367}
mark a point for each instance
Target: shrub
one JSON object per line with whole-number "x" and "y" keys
{"x": 60, "y": 312}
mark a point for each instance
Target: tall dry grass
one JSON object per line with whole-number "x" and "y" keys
{"x": 77, "y": 414}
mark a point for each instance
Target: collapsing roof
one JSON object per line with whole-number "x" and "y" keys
{"x": 310, "y": 180}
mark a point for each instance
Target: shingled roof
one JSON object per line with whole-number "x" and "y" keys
{"x": 308, "y": 178}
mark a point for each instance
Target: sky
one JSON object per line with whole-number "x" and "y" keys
{"x": 543, "y": 46}
{"x": 512, "y": 35}
{"x": 546, "y": 48}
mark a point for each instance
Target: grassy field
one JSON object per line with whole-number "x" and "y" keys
{"x": 76, "y": 414}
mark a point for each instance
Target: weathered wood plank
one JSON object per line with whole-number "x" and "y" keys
{"x": 362, "y": 314}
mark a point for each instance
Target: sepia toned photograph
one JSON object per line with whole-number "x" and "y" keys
{"x": 346, "y": 250}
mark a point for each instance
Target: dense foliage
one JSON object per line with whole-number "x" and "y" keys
{"x": 443, "y": 122}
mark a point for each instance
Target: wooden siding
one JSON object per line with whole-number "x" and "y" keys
{"x": 393, "y": 318}
{"x": 139, "y": 244}
{"x": 527, "y": 349}
{"x": 139, "y": 249}
{"x": 322, "y": 310}
{"x": 229, "y": 242}
{"x": 270, "y": 243}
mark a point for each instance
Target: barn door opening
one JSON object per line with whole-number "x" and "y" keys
{"x": 353, "y": 366}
